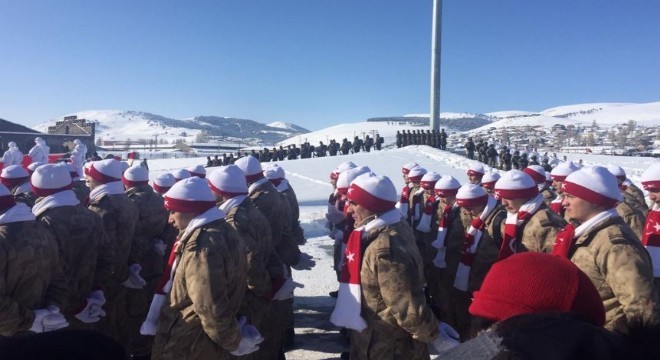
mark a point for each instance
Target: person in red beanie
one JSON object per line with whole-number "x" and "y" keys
{"x": 606, "y": 249}
{"x": 538, "y": 306}
{"x": 380, "y": 296}
{"x": 530, "y": 224}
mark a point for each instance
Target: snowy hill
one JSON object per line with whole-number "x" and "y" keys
{"x": 118, "y": 125}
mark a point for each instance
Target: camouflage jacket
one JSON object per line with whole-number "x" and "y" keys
{"x": 81, "y": 190}
{"x": 151, "y": 225}
{"x": 208, "y": 286}
{"x": 399, "y": 321}
{"x": 619, "y": 266}
{"x": 119, "y": 216}
{"x": 86, "y": 263}
{"x": 633, "y": 217}
{"x": 538, "y": 233}
{"x": 635, "y": 198}
{"x": 548, "y": 195}
{"x": 30, "y": 275}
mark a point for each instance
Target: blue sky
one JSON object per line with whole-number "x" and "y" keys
{"x": 317, "y": 63}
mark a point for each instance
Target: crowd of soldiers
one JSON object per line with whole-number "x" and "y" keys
{"x": 433, "y": 138}
{"x": 190, "y": 267}
{"x": 505, "y": 158}
{"x": 411, "y": 264}
{"x": 305, "y": 151}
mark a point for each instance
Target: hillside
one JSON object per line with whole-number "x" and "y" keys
{"x": 9, "y": 126}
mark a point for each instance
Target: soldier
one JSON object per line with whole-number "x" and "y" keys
{"x": 358, "y": 144}
{"x": 537, "y": 173}
{"x": 335, "y": 216}
{"x": 651, "y": 235}
{"x": 443, "y": 139}
{"x": 559, "y": 174}
{"x": 78, "y": 185}
{"x": 150, "y": 239}
{"x": 266, "y": 280}
{"x": 17, "y": 180}
{"x": 163, "y": 182}
{"x": 321, "y": 150}
{"x": 85, "y": 252}
{"x": 530, "y": 225}
{"x": 394, "y": 319}
{"x": 475, "y": 173}
{"x": 602, "y": 245}
{"x": 631, "y": 193}
{"x": 181, "y": 174}
{"x": 39, "y": 152}
{"x": 491, "y": 156}
{"x": 333, "y": 148}
{"x": 481, "y": 242}
{"x": 13, "y": 156}
{"x": 199, "y": 320}
{"x": 399, "y": 139}
{"x": 488, "y": 182}
{"x": 368, "y": 143}
{"x": 277, "y": 176}
{"x": 506, "y": 162}
{"x": 515, "y": 160}
{"x": 404, "y": 201}
{"x": 33, "y": 287}
{"x": 33, "y": 166}
{"x": 345, "y": 146}
{"x": 379, "y": 141}
{"x": 416, "y": 200}
{"x": 469, "y": 148}
{"x": 197, "y": 170}
{"x": 119, "y": 216}
{"x": 448, "y": 244}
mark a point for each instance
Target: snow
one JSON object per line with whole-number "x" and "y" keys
{"x": 316, "y": 337}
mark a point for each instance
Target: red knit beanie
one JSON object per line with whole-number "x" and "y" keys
{"x": 531, "y": 282}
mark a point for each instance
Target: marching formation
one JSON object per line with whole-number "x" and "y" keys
{"x": 199, "y": 265}
{"x": 431, "y": 267}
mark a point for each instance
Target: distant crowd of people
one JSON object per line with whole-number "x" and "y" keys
{"x": 305, "y": 151}
{"x": 434, "y": 138}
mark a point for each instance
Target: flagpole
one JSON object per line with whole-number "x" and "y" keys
{"x": 434, "y": 118}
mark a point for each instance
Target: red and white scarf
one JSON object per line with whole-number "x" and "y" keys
{"x": 349, "y": 226}
{"x": 348, "y": 308}
{"x": 440, "y": 242}
{"x": 651, "y": 238}
{"x": 111, "y": 188}
{"x": 404, "y": 201}
{"x": 58, "y": 199}
{"x": 430, "y": 207}
{"x": 471, "y": 244}
{"x": 416, "y": 211}
{"x": 513, "y": 221}
{"x": 150, "y": 324}
{"x": 565, "y": 238}
{"x": 555, "y": 205}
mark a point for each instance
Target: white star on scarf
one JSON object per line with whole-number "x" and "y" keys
{"x": 657, "y": 227}
{"x": 350, "y": 256}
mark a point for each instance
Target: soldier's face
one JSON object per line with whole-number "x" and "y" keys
{"x": 474, "y": 210}
{"x": 654, "y": 196}
{"x": 180, "y": 220}
{"x": 91, "y": 183}
{"x": 359, "y": 213}
{"x": 513, "y": 205}
{"x": 474, "y": 179}
{"x": 557, "y": 185}
{"x": 450, "y": 200}
{"x": 579, "y": 209}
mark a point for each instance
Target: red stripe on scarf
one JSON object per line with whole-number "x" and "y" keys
{"x": 510, "y": 232}
{"x": 467, "y": 257}
{"x": 168, "y": 269}
{"x": 651, "y": 233}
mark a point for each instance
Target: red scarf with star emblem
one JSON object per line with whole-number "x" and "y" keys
{"x": 440, "y": 242}
{"x": 348, "y": 308}
{"x": 513, "y": 221}
{"x": 651, "y": 238}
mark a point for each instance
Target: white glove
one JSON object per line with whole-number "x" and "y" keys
{"x": 250, "y": 338}
{"x": 54, "y": 320}
{"x": 134, "y": 281}
{"x": 447, "y": 339}
{"x": 93, "y": 311}
{"x": 305, "y": 262}
{"x": 334, "y": 215}
{"x": 286, "y": 290}
{"x": 159, "y": 247}
{"x": 37, "y": 324}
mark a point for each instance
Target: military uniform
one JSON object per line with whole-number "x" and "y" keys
{"x": 31, "y": 275}
{"x": 538, "y": 233}
{"x": 632, "y": 217}
{"x": 399, "y": 322}
{"x": 199, "y": 322}
{"x": 620, "y": 267}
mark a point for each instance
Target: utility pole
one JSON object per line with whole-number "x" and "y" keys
{"x": 434, "y": 116}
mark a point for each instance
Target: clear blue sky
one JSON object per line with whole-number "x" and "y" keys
{"x": 316, "y": 63}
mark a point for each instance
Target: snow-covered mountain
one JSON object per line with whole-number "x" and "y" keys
{"x": 119, "y": 125}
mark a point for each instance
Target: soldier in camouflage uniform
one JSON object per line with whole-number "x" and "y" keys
{"x": 119, "y": 216}
{"x": 33, "y": 288}
{"x": 538, "y": 174}
{"x": 17, "y": 180}
{"x": 530, "y": 224}
{"x": 395, "y": 320}
{"x": 86, "y": 254}
{"x": 150, "y": 239}
{"x": 209, "y": 277}
{"x": 605, "y": 248}
{"x": 632, "y": 194}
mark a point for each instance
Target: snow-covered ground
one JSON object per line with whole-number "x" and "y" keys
{"x": 316, "y": 337}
